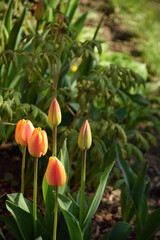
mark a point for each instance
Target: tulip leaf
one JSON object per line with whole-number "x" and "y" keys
{"x": 49, "y": 199}
{"x": 139, "y": 188}
{"x": 121, "y": 230}
{"x": 94, "y": 203}
{"x": 23, "y": 219}
{"x": 64, "y": 158}
{"x": 11, "y": 226}
{"x": 24, "y": 222}
{"x": 69, "y": 205}
{"x": 72, "y": 223}
{"x": 128, "y": 174}
{"x": 20, "y": 201}
{"x": 151, "y": 225}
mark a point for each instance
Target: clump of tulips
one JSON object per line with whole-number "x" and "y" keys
{"x": 74, "y": 213}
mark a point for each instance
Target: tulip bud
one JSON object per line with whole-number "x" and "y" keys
{"x": 38, "y": 143}
{"x": 55, "y": 173}
{"x": 23, "y": 132}
{"x": 54, "y": 113}
{"x": 85, "y": 136}
{"x": 39, "y": 9}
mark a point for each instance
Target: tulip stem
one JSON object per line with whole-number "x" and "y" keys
{"x": 23, "y": 170}
{"x": 54, "y": 148}
{"x": 55, "y": 215}
{"x": 35, "y": 197}
{"x": 83, "y": 178}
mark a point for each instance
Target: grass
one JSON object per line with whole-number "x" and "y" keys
{"x": 142, "y": 17}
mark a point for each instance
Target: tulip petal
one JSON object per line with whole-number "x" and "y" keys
{"x": 55, "y": 173}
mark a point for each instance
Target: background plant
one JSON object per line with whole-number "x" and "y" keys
{"x": 37, "y": 64}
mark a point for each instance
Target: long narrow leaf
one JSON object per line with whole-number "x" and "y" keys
{"x": 72, "y": 224}
{"x": 64, "y": 158}
{"x": 69, "y": 205}
{"x": 14, "y": 34}
{"x": 125, "y": 168}
{"x": 92, "y": 208}
{"x": 151, "y": 226}
{"x": 72, "y": 8}
{"x": 8, "y": 17}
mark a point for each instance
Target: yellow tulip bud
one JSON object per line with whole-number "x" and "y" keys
{"x": 85, "y": 136}
{"x": 54, "y": 113}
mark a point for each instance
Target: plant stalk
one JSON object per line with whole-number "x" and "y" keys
{"x": 35, "y": 197}
{"x": 55, "y": 215}
{"x": 54, "y": 147}
{"x": 83, "y": 178}
{"x": 23, "y": 170}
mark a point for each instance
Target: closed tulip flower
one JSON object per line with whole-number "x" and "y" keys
{"x": 54, "y": 113}
{"x": 85, "y": 136}
{"x": 23, "y": 132}
{"x": 38, "y": 143}
{"x": 39, "y": 10}
{"x": 55, "y": 173}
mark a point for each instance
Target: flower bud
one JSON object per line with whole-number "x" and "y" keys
{"x": 54, "y": 113}
{"x": 23, "y": 132}
{"x": 55, "y": 173}
{"x": 85, "y": 136}
{"x": 39, "y": 9}
{"x": 38, "y": 143}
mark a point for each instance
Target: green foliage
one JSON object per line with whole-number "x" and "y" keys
{"x": 36, "y": 64}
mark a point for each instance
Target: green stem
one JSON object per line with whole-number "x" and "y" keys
{"x": 55, "y": 215}
{"x": 23, "y": 170}
{"x": 83, "y": 178}
{"x": 54, "y": 147}
{"x": 35, "y": 197}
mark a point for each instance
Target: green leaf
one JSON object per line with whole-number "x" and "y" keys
{"x": 14, "y": 34}
{"x": 121, "y": 230}
{"x": 139, "y": 188}
{"x": 20, "y": 201}
{"x": 1, "y": 100}
{"x": 49, "y": 200}
{"x": 11, "y": 226}
{"x": 21, "y": 210}
{"x": 2, "y": 131}
{"x": 79, "y": 24}
{"x": 64, "y": 158}
{"x": 94, "y": 203}
{"x": 2, "y": 237}
{"x": 98, "y": 27}
{"x": 72, "y": 8}
{"x": 128, "y": 174}
{"x": 8, "y": 17}
{"x": 138, "y": 99}
{"x": 151, "y": 225}
{"x": 69, "y": 205}
{"x": 72, "y": 223}
{"x": 23, "y": 219}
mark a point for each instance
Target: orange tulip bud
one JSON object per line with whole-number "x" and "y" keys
{"x": 38, "y": 143}
{"x": 54, "y": 113}
{"x": 39, "y": 9}
{"x": 23, "y": 132}
{"x": 85, "y": 136}
{"x": 55, "y": 173}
